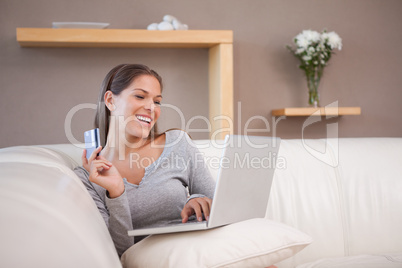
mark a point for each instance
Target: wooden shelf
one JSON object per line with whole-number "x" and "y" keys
{"x": 320, "y": 111}
{"x": 219, "y": 43}
{"x": 49, "y": 37}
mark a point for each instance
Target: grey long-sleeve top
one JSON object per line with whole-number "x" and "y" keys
{"x": 160, "y": 196}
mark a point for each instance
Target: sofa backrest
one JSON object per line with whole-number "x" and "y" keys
{"x": 345, "y": 193}
{"x": 369, "y": 176}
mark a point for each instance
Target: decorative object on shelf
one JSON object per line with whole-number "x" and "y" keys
{"x": 80, "y": 25}
{"x": 169, "y": 23}
{"x": 314, "y": 51}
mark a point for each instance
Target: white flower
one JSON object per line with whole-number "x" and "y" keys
{"x": 333, "y": 40}
{"x": 306, "y": 38}
{"x": 301, "y": 41}
{"x": 314, "y": 49}
{"x": 321, "y": 46}
{"x": 312, "y": 36}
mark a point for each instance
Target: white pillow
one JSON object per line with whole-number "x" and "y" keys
{"x": 252, "y": 243}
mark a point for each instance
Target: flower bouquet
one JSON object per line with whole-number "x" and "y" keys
{"x": 314, "y": 51}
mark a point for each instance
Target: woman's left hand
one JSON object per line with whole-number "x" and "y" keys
{"x": 197, "y": 206}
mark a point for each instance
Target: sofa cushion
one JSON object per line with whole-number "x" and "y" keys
{"x": 251, "y": 243}
{"x": 305, "y": 196}
{"x": 393, "y": 260}
{"x": 370, "y": 183}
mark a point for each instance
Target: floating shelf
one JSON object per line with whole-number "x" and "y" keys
{"x": 219, "y": 43}
{"x": 49, "y": 37}
{"x": 320, "y": 111}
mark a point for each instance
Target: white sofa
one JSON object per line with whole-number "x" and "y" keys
{"x": 346, "y": 194}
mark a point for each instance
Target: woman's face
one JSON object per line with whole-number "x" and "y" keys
{"x": 138, "y": 106}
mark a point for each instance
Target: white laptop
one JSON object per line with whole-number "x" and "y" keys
{"x": 242, "y": 188}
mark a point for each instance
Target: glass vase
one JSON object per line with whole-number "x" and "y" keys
{"x": 313, "y": 95}
{"x": 314, "y": 98}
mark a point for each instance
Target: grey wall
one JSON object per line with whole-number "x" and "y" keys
{"x": 39, "y": 86}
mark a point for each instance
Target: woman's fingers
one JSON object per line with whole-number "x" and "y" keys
{"x": 101, "y": 164}
{"x": 208, "y": 205}
{"x": 84, "y": 160}
{"x": 84, "y": 157}
{"x": 197, "y": 206}
{"x": 203, "y": 209}
{"x": 198, "y": 211}
{"x": 97, "y": 166}
{"x": 94, "y": 154}
{"x": 87, "y": 162}
{"x": 185, "y": 213}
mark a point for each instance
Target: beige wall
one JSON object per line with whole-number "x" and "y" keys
{"x": 39, "y": 86}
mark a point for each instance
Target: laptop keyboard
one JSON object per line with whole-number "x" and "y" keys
{"x": 191, "y": 220}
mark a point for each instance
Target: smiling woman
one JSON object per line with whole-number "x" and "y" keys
{"x": 152, "y": 191}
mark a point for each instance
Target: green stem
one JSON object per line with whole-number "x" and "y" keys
{"x": 313, "y": 79}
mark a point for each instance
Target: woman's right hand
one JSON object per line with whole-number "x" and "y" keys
{"x": 104, "y": 173}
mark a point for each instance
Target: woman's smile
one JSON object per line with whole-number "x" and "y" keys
{"x": 144, "y": 119}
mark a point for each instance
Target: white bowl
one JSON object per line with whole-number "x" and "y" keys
{"x": 80, "y": 25}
